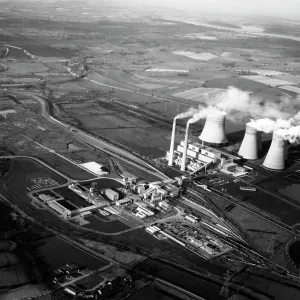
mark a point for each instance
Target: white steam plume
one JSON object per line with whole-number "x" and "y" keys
{"x": 291, "y": 134}
{"x": 234, "y": 100}
{"x": 240, "y": 105}
{"x": 198, "y": 115}
{"x": 267, "y": 125}
{"x": 190, "y": 112}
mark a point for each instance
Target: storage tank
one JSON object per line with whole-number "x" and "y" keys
{"x": 214, "y": 128}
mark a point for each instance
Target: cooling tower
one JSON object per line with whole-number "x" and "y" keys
{"x": 275, "y": 156}
{"x": 214, "y": 128}
{"x": 171, "y": 156}
{"x": 249, "y": 146}
{"x": 183, "y": 162}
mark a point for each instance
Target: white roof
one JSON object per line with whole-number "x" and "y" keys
{"x": 93, "y": 167}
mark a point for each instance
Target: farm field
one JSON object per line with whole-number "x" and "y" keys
{"x": 268, "y": 72}
{"x": 267, "y": 80}
{"x": 196, "y": 56}
{"x": 118, "y": 125}
{"x": 201, "y": 37}
{"x": 290, "y": 88}
{"x": 14, "y": 275}
{"x": 22, "y": 68}
{"x": 200, "y": 94}
{"x": 243, "y": 83}
{"x": 49, "y": 247}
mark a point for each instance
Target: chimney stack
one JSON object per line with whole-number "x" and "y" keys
{"x": 275, "y": 157}
{"x": 249, "y": 146}
{"x": 259, "y": 141}
{"x": 171, "y": 154}
{"x": 183, "y": 162}
{"x": 214, "y": 128}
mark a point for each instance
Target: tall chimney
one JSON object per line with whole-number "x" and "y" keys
{"x": 214, "y": 128}
{"x": 275, "y": 156}
{"x": 259, "y": 141}
{"x": 249, "y": 146}
{"x": 171, "y": 154}
{"x": 183, "y": 162}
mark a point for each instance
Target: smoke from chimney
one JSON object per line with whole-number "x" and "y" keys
{"x": 239, "y": 105}
{"x": 189, "y": 113}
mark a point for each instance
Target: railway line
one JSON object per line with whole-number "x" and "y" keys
{"x": 255, "y": 211}
{"x": 248, "y": 244}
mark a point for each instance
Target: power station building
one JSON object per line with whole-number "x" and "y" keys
{"x": 196, "y": 156}
{"x": 193, "y": 157}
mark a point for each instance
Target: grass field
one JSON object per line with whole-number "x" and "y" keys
{"x": 151, "y": 292}
{"x": 8, "y": 258}
{"x": 196, "y": 56}
{"x": 278, "y": 208}
{"x": 11, "y": 276}
{"x": 290, "y": 88}
{"x": 96, "y": 223}
{"x": 24, "y": 68}
{"x": 267, "y": 80}
{"x": 115, "y": 123}
{"x": 48, "y": 248}
{"x": 201, "y": 95}
{"x": 242, "y": 83}
{"x": 90, "y": 281}
{"x": 27, "y": 169}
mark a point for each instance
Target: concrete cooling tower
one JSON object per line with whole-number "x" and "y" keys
{"x": 249, "y": 147}
{"x": 275, "y": 159}
{"x": 214, "y": 128}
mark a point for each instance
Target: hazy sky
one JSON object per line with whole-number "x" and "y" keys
{"x": 284, "y": 8}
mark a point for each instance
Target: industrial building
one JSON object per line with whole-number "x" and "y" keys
{"x": 60, "y": 209}
{"x": 199, "y": 157}
{"x": 192, "y": 157}
{"x": 111, "y": 194}
{"x": 124, "y": 202}
{"x": 234, "y": 169}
